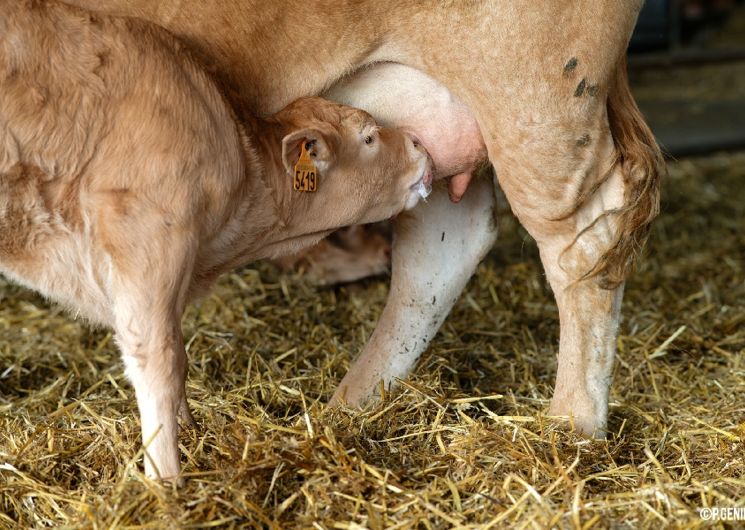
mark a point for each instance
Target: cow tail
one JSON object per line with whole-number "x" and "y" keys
{"x": 642, "y": 166}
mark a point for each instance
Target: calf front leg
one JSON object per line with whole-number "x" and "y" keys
{"x": 151, "y": 268}
{"x": 155, "y": 362}
{"x": 436, "y": 249}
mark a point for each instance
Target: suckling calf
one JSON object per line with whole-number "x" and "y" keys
{"x": 127, "y": 185}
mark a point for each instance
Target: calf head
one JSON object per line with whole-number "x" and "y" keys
{"x": 365, "y": 173}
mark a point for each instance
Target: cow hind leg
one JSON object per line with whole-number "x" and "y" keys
{"x": 436, "y": 249}
{"x": 588, "y": 229}
{"x": 589, "y": 315}
{"x": 571, "y": 241}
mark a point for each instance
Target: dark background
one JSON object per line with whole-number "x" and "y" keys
{"x": 687, "y": 67}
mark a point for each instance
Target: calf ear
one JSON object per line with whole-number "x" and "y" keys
{"x": 315, "y": 144}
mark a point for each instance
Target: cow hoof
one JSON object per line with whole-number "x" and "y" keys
{"x": 583, "y": 420}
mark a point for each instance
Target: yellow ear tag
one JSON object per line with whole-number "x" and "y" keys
{"x": 306, "y": 175}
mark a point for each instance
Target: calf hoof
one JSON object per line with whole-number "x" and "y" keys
{"x": 175, "y": 480}
{"x": 167, "y": 470}
{"x": 168, "y": 482}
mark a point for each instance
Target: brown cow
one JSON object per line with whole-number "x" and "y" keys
{"x": 124, "y": 196}
{"x": 547, "y": 84}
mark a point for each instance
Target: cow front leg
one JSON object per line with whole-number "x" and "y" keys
{"x": 436, "y": 249}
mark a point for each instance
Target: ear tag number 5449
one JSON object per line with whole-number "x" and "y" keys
{"x": 306, "y": 175}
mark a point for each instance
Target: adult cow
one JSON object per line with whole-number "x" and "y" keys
{"x": 548, "y": 86}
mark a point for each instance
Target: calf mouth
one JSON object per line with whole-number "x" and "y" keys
{"x": 423, "y": 186}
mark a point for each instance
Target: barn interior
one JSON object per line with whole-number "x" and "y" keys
{"x": 466, "y": 441}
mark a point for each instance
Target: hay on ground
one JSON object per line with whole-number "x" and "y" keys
{"x": 465, "y": 442}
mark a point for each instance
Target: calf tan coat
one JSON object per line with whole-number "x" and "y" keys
{"x": 127, "y": 185}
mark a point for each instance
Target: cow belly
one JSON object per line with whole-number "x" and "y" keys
{"x": 401, "y": 96}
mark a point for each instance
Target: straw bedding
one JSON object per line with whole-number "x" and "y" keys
{"x": 464, "y": 443}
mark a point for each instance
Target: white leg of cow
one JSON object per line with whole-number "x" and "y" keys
{"x": 436, "y": 249}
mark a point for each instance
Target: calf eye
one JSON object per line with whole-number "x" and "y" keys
{"x": 369, "y": 140}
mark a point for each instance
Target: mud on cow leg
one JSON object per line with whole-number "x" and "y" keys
{"x": 436, "y": 249}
